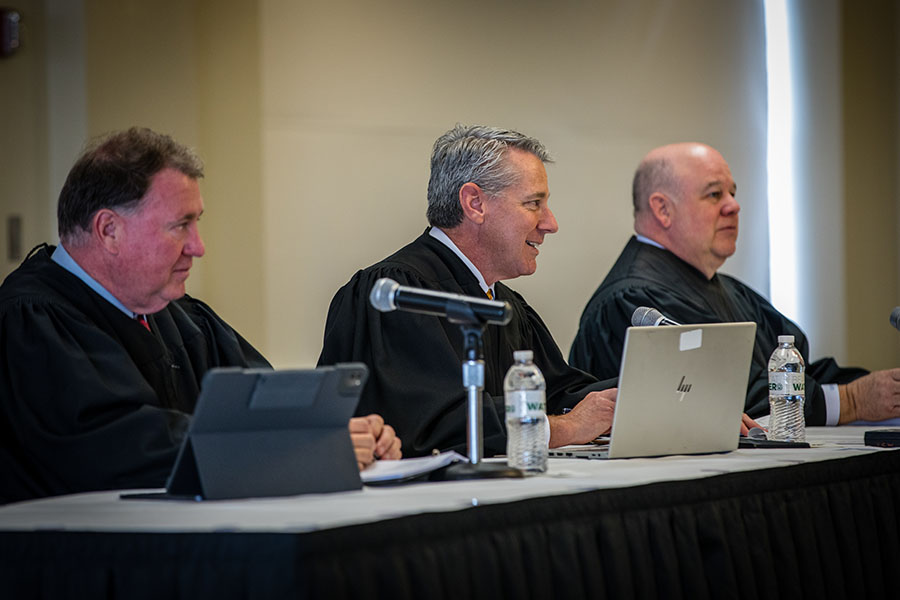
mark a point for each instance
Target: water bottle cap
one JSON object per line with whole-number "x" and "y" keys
{"x": 785, "y": 339}
{"x": 523, "y": 355}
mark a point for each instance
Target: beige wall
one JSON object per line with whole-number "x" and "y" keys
{"x": 354, "y": 94}
{"x": 316, "y": 119}
{"x": 818, "y": 171}
{"x": 871, "y": 164}
{"x": 191, "y": 69}
{"x": 23, "y": 135}
{"x": 229, "y": 116}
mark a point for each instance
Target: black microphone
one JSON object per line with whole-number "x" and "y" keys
{"x": 388, "y": 295}
{"x": 645, "y": 316}
{"x": 895, "y": 318}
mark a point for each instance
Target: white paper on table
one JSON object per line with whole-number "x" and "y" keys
{"x": 390, "y": 470}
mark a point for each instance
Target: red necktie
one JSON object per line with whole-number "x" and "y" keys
{"x": 142, "y": 319}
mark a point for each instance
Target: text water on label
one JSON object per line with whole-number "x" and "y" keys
{"x": 786, "y": 383}
{"x": 524, "y": 404}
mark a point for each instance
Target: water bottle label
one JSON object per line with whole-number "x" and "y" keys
{"x": 525, "y": 404}
{"x": 786, "y": 383}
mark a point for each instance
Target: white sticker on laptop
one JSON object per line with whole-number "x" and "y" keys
{"x": 690, "y": 340}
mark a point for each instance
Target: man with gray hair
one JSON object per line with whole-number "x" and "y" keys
{"x": 488, "y": 211}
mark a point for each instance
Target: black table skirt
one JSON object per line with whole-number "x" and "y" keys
{"x": 818, "y": 530}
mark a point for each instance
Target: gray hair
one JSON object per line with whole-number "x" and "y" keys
{"x": 652, "y": 175}
{"x": 474, "y": 154}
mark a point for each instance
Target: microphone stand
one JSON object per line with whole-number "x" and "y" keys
{"x": 473, "y": 380}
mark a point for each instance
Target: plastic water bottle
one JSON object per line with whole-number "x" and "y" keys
{"x": 526, "y": 416}
{"x": 787, "y": 393}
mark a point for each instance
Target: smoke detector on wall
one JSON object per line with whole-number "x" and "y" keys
{"x": 9, "y": 31}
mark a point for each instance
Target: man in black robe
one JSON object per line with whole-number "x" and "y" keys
{"x": 487, "y": 206}
{"x": 103, "y": 353}
{"x": 686, "y": 220}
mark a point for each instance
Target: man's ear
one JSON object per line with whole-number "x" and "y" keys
{"x": 661, "y": 208}
{"x": 108, "y": 229}
{"x": 472, "y": 201}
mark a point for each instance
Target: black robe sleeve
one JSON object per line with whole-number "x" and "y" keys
{"x": 415, "y": 377}
{"x": 207, "y": 339}
{"x": 83, "y": 415}
{"x": 566, "y": 385}
{"x": 80, "y": 406}
{"x": 682, "y": 296}
{"x": 770, "y": 323}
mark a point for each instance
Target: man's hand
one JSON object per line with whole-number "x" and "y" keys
{"x": 387, "y": 444}
{"x": 747, "y": 424}
{"x": 873, "y": 397}
{"x": 363, "y": 441}
{"x": 372, "y": 439}
{"x": 591, "y": 417}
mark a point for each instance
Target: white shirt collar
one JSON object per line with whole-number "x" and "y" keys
{"x": 442, "y": 237}
{"x": 61, "y": 257}
{"x": 647, "y": 240}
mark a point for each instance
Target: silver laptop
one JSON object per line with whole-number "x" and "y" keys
{"x": 681, "y": 391}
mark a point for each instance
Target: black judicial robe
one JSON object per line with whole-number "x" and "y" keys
{"x": 89, "y": 399}
{"x": 415, "y": 379}
{"x": 645, "y": 275}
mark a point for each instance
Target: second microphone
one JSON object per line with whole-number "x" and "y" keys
{"x": 644, "y": 316}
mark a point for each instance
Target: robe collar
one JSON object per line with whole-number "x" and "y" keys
{"x": 442, "y": 237}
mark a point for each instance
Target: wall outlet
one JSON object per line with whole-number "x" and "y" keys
{"x": 14, "y": 238}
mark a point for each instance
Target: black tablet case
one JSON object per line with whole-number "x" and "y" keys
{"x": 258, "y": 433}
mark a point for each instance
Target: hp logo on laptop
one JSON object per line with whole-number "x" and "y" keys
{"x": 683, "y": 388}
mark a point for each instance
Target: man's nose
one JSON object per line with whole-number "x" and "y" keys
{"x": 194, "y": 245}
{"x": 548, "y": 223}
{"x": 731, "y": 206}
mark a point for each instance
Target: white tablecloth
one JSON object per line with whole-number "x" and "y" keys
{"x": 105, "y": 511}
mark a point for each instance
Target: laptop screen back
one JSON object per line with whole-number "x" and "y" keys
{"x": 681, "y": 389}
